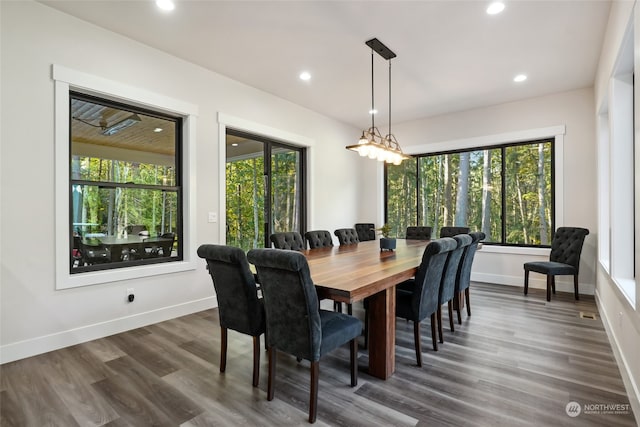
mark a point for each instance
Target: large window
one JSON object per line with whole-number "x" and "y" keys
{"x": 125, "y": 185}
{"x": 505, "y": 191}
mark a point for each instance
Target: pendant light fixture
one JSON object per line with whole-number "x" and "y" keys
{"x": 372, "y": 144}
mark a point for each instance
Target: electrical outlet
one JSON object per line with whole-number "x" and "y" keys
{"x": 130, "y": 294}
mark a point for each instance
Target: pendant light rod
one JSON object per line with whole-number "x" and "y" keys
{"x": 389, "y": 97}
{"x": 373, "y": 123}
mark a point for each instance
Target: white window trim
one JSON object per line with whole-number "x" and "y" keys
{"x": 556, "y": 132}
{"x": 66, "y": 79}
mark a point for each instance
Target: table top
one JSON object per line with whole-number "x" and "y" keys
{"x": 353, "y": 272}
{"x": 118, "y": 240}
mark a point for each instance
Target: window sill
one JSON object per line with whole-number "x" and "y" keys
{"x": 67, "y": 280}
{"x": 514, "y": 250}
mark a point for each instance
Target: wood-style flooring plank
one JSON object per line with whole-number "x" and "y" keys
{"x": 517, "y": 361}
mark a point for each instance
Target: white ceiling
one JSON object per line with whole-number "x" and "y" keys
{"x": 451, "y": 55}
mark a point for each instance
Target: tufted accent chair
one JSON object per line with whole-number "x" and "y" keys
{"x": 564, "y": 259}
{"x": 319, "y": 239}
{"x": 417, "y": 298}
{"x": 453, "y": 231}
{"x": 463, "y": 279}
{"x": 291, "y": 240}
{"x": 448, "y": 284}
{"x": 295, "y": 322}
{"x": 366, "y": 231}
{"x": 239, "y": 307}
{"x": 347, "y": 236}
{"x": 418, "y": 233}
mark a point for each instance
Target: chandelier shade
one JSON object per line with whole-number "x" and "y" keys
{"x": 372, "y": 144}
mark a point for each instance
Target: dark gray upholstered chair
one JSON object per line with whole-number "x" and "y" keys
{"x": 448, "y": 284}
{"x": 318, "y": 239}
{"x": 366, "y": 231}
{"x": 347, "y": 236}
{"x": 418, "y": 233}
{"x": 453, "y": 231}
{"x": 239, "y": 307}
{"x": 463, "y": 279}
{"x": 417, "y": 298}
{"x": 291, "y": 240}
{"x": 295, "y": 322}
{"x": 564, "y": 259}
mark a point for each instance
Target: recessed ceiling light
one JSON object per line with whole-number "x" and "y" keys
{"x": 156, "y": 130}
{"x": 235, "y": 144}
{"x": 305, "y": 76}
{"x": 165, "y": 4}
{"x": 495, "y": 8}
{"x": 373, "y": 111}
{"x": 520, "y": 78}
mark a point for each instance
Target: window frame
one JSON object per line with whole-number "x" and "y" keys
{"x": 176, "y": 188}
{"x": 553, "y": 133}
{"x": 66, "y": 81}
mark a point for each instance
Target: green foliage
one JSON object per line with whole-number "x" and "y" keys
{"x": 385, "y": 230}
{"x": 423, "y": 191}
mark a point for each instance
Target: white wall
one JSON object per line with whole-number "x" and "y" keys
{"x": 621, "y": 320}
{"x": 34, "y": 317}
{"x": 572, "y": 109}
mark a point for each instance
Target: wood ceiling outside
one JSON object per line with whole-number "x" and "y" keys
{"x": 139, "y": 137}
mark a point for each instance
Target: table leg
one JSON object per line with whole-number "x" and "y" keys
{"x": 382, "y": 333}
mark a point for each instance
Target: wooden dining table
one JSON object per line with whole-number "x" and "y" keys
{"x": 350, "y": 273}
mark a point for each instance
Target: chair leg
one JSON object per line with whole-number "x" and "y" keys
{"x": 354, "y": 362}
{"x": 466, "y": 298}
{"x": 366, "y": 329}
{"x": 440, "y": 323}
{"x": 526, "y": 282}
{"x": 575, "y": 286}
{"x": 337, "y": 306}
{"x": 223, "y": 349}
{"x": 456, "y": 304}
{"x": 313, "y": 398}
{"x": 416, "y": 339}
{"x": 553, "y": 284}
{"x": 450, "y": 309}
{"x": 549, "y": 281}
{"x": 256, "y": 360}
{"x": 272, "y": 372}
{"x": 434, "y": 340}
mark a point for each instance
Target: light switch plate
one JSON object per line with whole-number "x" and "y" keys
{"x": 213, "y": 217}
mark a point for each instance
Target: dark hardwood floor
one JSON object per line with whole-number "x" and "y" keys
{"x": 517, "y": 361}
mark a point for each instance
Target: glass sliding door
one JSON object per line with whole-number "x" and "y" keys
{"x": 251, "y": 215}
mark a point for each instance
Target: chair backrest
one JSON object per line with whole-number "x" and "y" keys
{"x": 93, "y": 251}
{"x": 566, "y": 246}
{"x": 429, "y": 276}
{"x": 453, "y": 231}
{"x": 291, "y": 240}
{"x": 290, "y": 301}
{"x": 236, "y": 291}
{"x": 418, "y": 233}
{"x": 463, "y": 279}
{"x": 366, "y": 231}
{"x": 318, "y": 239}
{"x": 347, "y": 236}
{"x": 448, "y": 285}
{"x": 135, "y": 229}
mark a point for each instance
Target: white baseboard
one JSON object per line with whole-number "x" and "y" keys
{"x": 632, "y": 388}
{"x": 46, "y": 343}
{"x": 539, "y": 282}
